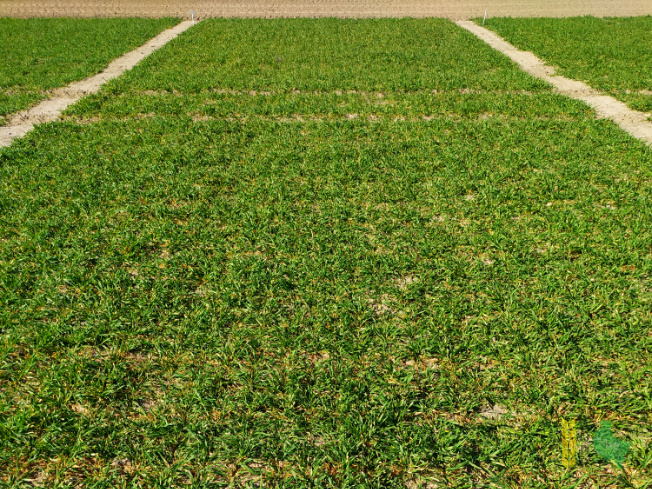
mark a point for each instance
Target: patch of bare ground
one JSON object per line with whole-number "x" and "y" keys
{"x": 453, "y": 9}
{"x": 295, "y": 118}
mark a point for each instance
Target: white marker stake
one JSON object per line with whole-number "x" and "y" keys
{"x": 192, "y": 14}
{"x": 485, "y": 17}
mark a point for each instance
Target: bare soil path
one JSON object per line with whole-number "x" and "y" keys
{"x": 635, "y": 123}
{"x": 453, "y": 9}
{"x": 49, "y": 110}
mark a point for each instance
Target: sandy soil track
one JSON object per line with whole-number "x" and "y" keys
{"x": 453, "y": 9}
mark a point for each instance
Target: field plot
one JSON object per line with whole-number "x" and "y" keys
{"x": 41, "y": 54}
{"x": 323, "y": 253}
{"x": 610, "y": 54}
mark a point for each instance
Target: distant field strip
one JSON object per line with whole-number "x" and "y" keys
{"x": 323, "y": 253}
{"x": 59, "y": 99}
{"x": 612, "y": 55}
{"x": 39, "y": 55}
{"x": 636, "y": 123}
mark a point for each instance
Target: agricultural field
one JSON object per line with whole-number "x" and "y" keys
{"x": 324, "y": 253}
{"x": 41, "y": 54}
{"x": 609, "y": 54}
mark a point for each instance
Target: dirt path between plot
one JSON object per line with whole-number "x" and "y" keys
{"x": 452, "y": 9}
{"x": 635, "y": 123}
{"x": 49, "y": 110}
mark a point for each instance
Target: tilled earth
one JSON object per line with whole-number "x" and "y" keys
{"x": 454, "y": 9}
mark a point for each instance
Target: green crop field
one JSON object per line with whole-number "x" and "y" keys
{"x": 324, "y": 253}
{"x": 610, "y": 54}
{"x": 41, "y": 54}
